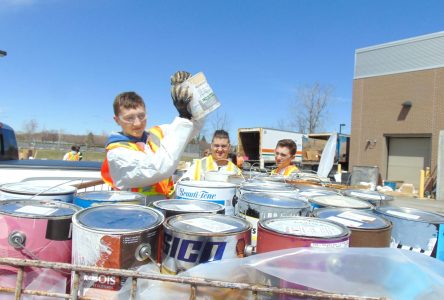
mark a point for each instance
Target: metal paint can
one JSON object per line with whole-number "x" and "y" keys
{"x": 37, "y": 190}
{"x": 115, "y": 236}
{"x": 277, "y": 188}
{"x": 95, "y": 198}
{"x": 218, "y": 192}
{"x": 36, "y": 229}
{"x": 374, "y": 197}
{"x": 293, "y": 232}
{"x": 193, "y": 239}
{"x": 258, "y": 206}
{"x": 415, "y": 230}
{"x": 338, "y": 201}
{"x": 367, "y": 228}
{"x": 172, "y": 207}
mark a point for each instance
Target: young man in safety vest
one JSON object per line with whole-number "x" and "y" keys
{"x": 144, "y": 161}
{"x": 285, "y": 152}
{"x": 72, "y": 155}
{"x": 217, "y": 161}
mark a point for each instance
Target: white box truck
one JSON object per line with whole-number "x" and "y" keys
{"x": 258, "y": 144}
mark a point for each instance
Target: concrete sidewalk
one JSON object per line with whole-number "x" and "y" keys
{"x": 436, "y": 206}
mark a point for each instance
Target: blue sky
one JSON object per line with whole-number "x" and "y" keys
{"x": 67, "y": 60}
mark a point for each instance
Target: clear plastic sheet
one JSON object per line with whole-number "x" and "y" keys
{"x": 367, "y": 272}
{"x": 328, "y": 156}
{"x": 34, "y": 279}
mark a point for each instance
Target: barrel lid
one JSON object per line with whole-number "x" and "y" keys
{"x": 314, "y": 192}
{"x": 118, "y": 218}
{"x": 206, "y": 184}
{"x": 410, "y": 214}
{"x": 108, "y": 196}
{"x": 187, "y": 205}
{"x": 367, "y": 195}
{"x": 352, "y": 218}
{"x": 340, "y": 201}
{"x": 274, "y": 200}
{"x": 205, "y": 224}
{"x": 268, "y": 186}
{"x": 37, "y": 187}
{"x": 305, "y": 227}
{"x": 37, "y": 209}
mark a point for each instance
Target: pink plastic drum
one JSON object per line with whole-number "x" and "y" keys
{"x": 36, "y": 229}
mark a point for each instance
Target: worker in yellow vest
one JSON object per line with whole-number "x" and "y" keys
{"x": 144, "y": 161}
{"x": 285, "y": 152}
{"x": 73, "y": 154}
{"x": 217, "y": 161}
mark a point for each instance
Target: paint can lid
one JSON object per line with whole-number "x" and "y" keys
{"x": 305, "y": 227}
{"x": 340, "y": 202}
{"x": 411, "y": 214}
{"x": 111, "y": 196}
{"x": 38, "y": 209}
{"x": 314, "y": 192}
{"x": 189, "y": 206}
{"x": 352, "y": 218}
{"x": 39, "y": 187}
{"x": 120, "y": 218}
{"x": 264, "y": 186}
{"x": 207, "y": 224}
{"x": 367, "y": 195}
{"x": 274, "y": 200}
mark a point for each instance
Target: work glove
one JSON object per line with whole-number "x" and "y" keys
{"x": 181, "y": 95}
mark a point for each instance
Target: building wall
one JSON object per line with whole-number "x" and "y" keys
{"x": 377, "y": 113}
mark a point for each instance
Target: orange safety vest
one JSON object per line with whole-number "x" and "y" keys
{"x": 164, "y": 187}
{"x": 288, "y": 170}
{"x": 73, "y": 156}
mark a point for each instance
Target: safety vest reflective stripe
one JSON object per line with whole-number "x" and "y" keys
{"x": 73, "y": 156}
{"x": 207, "y": 164}
{"x": 288, "y": 170}
{"x": 164, "y": 187}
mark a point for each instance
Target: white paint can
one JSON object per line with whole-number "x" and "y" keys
{"x": 217, "y": 192}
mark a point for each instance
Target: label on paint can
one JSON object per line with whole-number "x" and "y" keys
{"x": 209, "y": 225}
{"x": 306, "y": 228}
{"x": 404, "y": 215}
{"x": 253, "y": 222}
{"x": 346, "y": 222}
{"x": 343, "y": 244}
{"x": 36, "y": 210}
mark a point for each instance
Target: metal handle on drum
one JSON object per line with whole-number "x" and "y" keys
{"x": 143, "y": 252}
{"x": 249, "y": 250}
{"x": 17, "y": 239}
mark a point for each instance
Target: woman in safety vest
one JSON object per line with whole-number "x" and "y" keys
{"x": 144, "y": 161}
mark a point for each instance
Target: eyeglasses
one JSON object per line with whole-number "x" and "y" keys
{"x": 131, "y": 119}
{"x": 219, "y": 146}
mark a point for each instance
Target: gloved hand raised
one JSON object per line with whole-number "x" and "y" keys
{"x": 181, "y": 94}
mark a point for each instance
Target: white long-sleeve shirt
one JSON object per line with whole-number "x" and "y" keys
{"x": 130, "y": 169}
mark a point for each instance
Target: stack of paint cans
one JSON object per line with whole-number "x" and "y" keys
{"x": 373, "y": 197}
{"x": 294, "y": 232}
{"x": 115, "y": 236}
{"x": 192, "y": 239}
{"x": 367, "y": 228}
{"x": 276, "y": 188}
{"x": 38, "y": 190}
{"x": 172, "y": 207}
{"x": 415, "y": 230}
{"x": 218, "y": 192}
{"x": 258, "y": 206}
{"x": 95, "y": 198}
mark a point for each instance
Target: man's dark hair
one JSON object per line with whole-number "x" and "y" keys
{"x": 127, "y": 100}
{"x": 221, "y": 134}
{"x": 74, "y": 148}
{"x": 290, "y": 144}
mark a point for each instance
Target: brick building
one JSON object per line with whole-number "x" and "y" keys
{"x": 398, "y": 107}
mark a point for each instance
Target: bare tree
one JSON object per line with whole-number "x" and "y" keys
{"x": 30, "y": 127}
{"x": 310, "y": 106}
{"x": 220, "y": 121}
{"x": 89, "y": 140}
